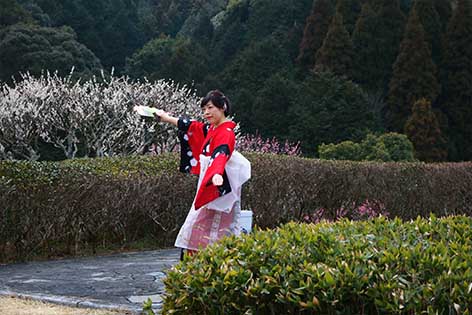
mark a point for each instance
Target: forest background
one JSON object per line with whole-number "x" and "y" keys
{"x": 321, "y": 71}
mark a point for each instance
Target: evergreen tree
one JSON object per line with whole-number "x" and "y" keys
{"x": 11, "y": 13}
{"x": 53, "y": 8}
{"x": 376, "y": 5}
{"x": 229, "y": 37}
{"x": 267, "y": 16}
{"x": 35, "y": 49}
{"x": 457, "y": 92}
{"x": 36, "y": 13}
{"x": 414, "y": 75}
{"x": 121, "y": 30}
{"x": 366, "y": 62}
{"x": 179, "y": 59}
{"x": 389, "y": 33}
{"x": 148, "y": 22}
{"x": 171, "y": 15}
{"x": 244, "y": 76}
{"x": 431, "y": 23}
{"x": 202, "y": 31}
{"x": 111, "y": 29}
{"x": 336, "y": 53}
{"x": 350, "y": 10}
{"x": 328, "y": 109}
{"x": 316, "y": 28}
{"x": 376, "y": 40}
{"x": 270, "y": 108}
{"x": 422, "y": 128}
{"x": 444, "y": 10}
{"x": 86, "y": 25}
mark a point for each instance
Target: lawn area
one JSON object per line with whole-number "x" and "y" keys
{"x": 17, "y": 306}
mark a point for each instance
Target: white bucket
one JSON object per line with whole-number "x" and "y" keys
{"x": 245, "y": 221}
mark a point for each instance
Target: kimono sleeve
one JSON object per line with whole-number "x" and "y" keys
{"x": 222, "y": 147}
{"x": 191, "y": 135}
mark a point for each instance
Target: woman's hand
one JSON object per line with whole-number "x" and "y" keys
{"x": 161, "y": 115}
{"x": 217, "y": 180}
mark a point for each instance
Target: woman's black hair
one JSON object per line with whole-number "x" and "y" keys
{"x": 219, "y": 100}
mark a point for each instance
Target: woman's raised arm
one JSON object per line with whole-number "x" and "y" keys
{"x": 165, "y": 117}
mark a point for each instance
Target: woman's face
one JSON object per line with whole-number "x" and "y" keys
{"x": 213, "y": 114}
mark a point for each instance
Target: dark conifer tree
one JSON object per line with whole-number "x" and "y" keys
{"x": 336, "y": 53}
{"x": 444, "y": 9}
{"x": 414, "y": 75}
{"x": 350, "y": 10}
{"x": 431, "y": 22}
{"x": 366, "y": 59}
{"x": 316, "y": 28}
{"x": 328, "y": 109}
{"x": 271, "y": 103}
{"x": 422, "y": 128}
{"x": 389, "y": 33}
{"x": 457, "y": 92}
{"x": 376, "y": 5}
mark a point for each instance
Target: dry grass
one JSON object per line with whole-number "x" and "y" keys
{"x": 16, "y": 306}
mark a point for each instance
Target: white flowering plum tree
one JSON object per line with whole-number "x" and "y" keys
{"x": 61, "y": 114}
{"x": 18, "y": 123}
{"x": 96, "y": 115}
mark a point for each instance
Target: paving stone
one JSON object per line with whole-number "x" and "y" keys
{"x": 140, "y": 299}
{"x": 121, "y": 281}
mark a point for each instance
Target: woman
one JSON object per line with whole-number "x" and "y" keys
{"x": 207, "y": 149}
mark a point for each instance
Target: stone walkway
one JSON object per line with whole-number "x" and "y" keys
{"x": 121, "y": 281}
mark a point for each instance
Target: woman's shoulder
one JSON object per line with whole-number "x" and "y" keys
{"x": 228, "y": 125}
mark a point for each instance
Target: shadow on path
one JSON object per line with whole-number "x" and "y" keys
{"x": 121, "y": 281}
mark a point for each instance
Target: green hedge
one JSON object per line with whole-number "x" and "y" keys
{"x": 366, "y": 267}
{"x": 83, "y": 205}
{"x": 63, "y": 208}
{"x": 287, "y": 188}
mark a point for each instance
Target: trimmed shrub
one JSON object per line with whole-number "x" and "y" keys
{"x": 67, "y": 208}
{"x": 365, "y": 267}
{"x": 285, "y": 188}
{"x": 51, "y": 209}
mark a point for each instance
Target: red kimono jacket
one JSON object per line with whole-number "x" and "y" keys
{"x": 216, "y": 210}
{"x": 198, "y": 138}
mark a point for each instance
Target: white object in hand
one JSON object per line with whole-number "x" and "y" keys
{"x": 146, "y": 110}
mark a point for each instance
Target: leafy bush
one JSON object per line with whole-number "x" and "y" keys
{"x": 365, "y": 267}
{"x": 386, "y": 147}
{"x": 346, "y": 150}
{"x": 398, "y": 146}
